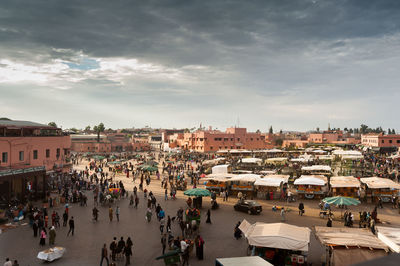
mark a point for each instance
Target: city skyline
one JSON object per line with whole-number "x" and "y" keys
{"x": 295, "y": 65}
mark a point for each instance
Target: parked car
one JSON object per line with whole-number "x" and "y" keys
{"x": 249, "y": 206}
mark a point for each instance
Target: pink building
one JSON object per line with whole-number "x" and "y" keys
{"x": 111, "y": 142}
{"x": 332, "y": 137}
{"x": 380, "y": 140}
{"x": 212, "y": 140}
{"x": 28, "y": 152}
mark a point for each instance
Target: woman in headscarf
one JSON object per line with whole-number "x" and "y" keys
{"x": 199, "y": 242}
{"x": 43, "y": 237}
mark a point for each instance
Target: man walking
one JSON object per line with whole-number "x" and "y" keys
{"x": 104, "y": 255}
{"x": 65, "y": 218}
{"x": 164, "y": 242}
{"x": 113, "y": 248}
{"x": 128, "y": 254}
{"x": 117, "y": 213}
{"x": 52, "y": 235}
{"x": 71, "y": 226}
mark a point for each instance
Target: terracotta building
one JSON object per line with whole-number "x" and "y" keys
{"x": 213, "y": 140}
{"x": 29, "y": 151}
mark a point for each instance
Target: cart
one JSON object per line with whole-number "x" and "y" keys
{"x": 51, "y": 254}
{"x": 171, "y": 258}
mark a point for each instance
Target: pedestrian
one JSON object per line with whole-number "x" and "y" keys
{"x": 52, "y": 235}
{"x": 35, "y": 228}
{"x": 208, "y": 216}
{"x": 148, "y": 215}
{"x": 301, "y": 208}
{"x": 117, "y": 213}
{"x": 162, "y": 223}
{"x": 169, "y": 224}
{"x": 199, "y": 242}
{"x": 185, "y": 253}
{"x": 283, "y": 219}
{"x": 57, "y": 220}
{"x": 110, "y": 213}
{"x": 166, "y": 194}
{"x": 8, "y": 262}
{"x": 164, "y": 242}
{"x": 113, "y": 248}
{"x": 129, "y": 242}
{"x": 104, "y": 255}
{"x": 43, "y": 236}
{"x": 15, "y": 263}
{"x": 65, "y": 218}
{"x": 329, "y": 223}
{"x": 71, "y": 226}
{"x": 128, "y": 253}
{"x": 136, "y": 201}
{"x": 161, "y": 214}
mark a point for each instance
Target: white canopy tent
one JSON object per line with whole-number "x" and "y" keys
{"x": 315, "y": 180}
{"x": 245, "y": 177}
{"x": 342, "y": 152}
{"x": 250, "y": 160}
{"x": 268, "y": 172}
{"x": 278, "y": 159}
{"x": 276, "y": 235}
{"x": 273, "y": 151}
{"x": 317, "y": 168}
{"x": 220, "y": 177}
{"x": 220, "y": 169}
{"x": 272, "y": 181}
{"x": 390, "y": 236}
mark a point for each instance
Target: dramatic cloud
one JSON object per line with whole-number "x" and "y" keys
{"x": 290, "y": 64}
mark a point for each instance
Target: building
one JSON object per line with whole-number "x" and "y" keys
{"x": 332, "y": 137}
{"x": 380, "y": 140}
{"x": 155, "y": 141}
{"x": 214, "y": 140}
{"x": 111, "y": 142}
{"x": 29, "y": 151}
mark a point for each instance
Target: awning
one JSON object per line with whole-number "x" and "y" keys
{"x": 378, "y": 182}
{"x": 315, "y": 180}
{"x": 344, "y": 181}
{"x": 272, "y": 181}
{"x": 277, "y": 235}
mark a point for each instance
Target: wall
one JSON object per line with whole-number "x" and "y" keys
{"x": 13, "y": 145}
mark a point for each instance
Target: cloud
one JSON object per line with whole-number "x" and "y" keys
{"x": 293, "y": 64}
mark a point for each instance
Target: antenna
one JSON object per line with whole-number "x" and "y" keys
{"x": 238, "y": 122}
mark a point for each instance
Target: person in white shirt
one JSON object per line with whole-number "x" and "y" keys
{"x": 184, "y": 245}
{"x": 8, "y": 262}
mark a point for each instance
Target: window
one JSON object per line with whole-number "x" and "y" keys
{"x": 231, "y": 139}
{"x": 398, "y": 141}
{"x": 47, "y": 153}
{"x": 390, "y": 141}
{"x": 383, "y": 141}
{"x": 251, "y": 139}
{"x": 4, "y": 157}
{"x": 21, "y": 155}
{"x": 35, "y": 154}
{"x": 225, "y": 139}
{"x": 58, "y": 153}
{"x": 211, "y": 147}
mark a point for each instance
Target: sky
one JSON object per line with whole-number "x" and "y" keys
{"x": 295, "y": 65}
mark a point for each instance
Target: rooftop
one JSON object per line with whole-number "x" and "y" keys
{"x": 23, "y": 124}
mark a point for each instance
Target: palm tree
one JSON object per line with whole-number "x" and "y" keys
{"x": 100, "y": 128}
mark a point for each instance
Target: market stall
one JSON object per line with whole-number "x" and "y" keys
{"x": 270, "y": 187}
{"x": 239, "y": 261}
{"x": 217, "y": 182}
{"x": 311, "y": 186}
{"x": 344, "y": 185}
{"x": 278, "y": 243}
{"x": 243, "y": 183}
{"x": 348, "y": 246}
{"x": 376, "y": 187}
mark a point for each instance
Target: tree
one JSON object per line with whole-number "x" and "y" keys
{"x": 279, "y": 142}
{"x": 98, "y": 129}
{"x": 389, "y": 131}
{"x": 318, "y": 129}
{"x": 258, "y": 131}
{"x": 363, "y": 129}
{"x": 52, "y": 124}
{"x": 87, "y": 128}
{"x": 73, "y": 129}
{"x": 393, "y": 131}
{"x": 186, "y": 130}
{"x": 271, "y": 130}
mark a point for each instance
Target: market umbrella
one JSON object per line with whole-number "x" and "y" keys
{"x": 197, "y": 192}
{"x": 152, "y": 163}
{"x": 98, "y": 157}
{"x": 150, "y": 168}
{"x": 113, "y": 157}
{"x": 340, "y": 200}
